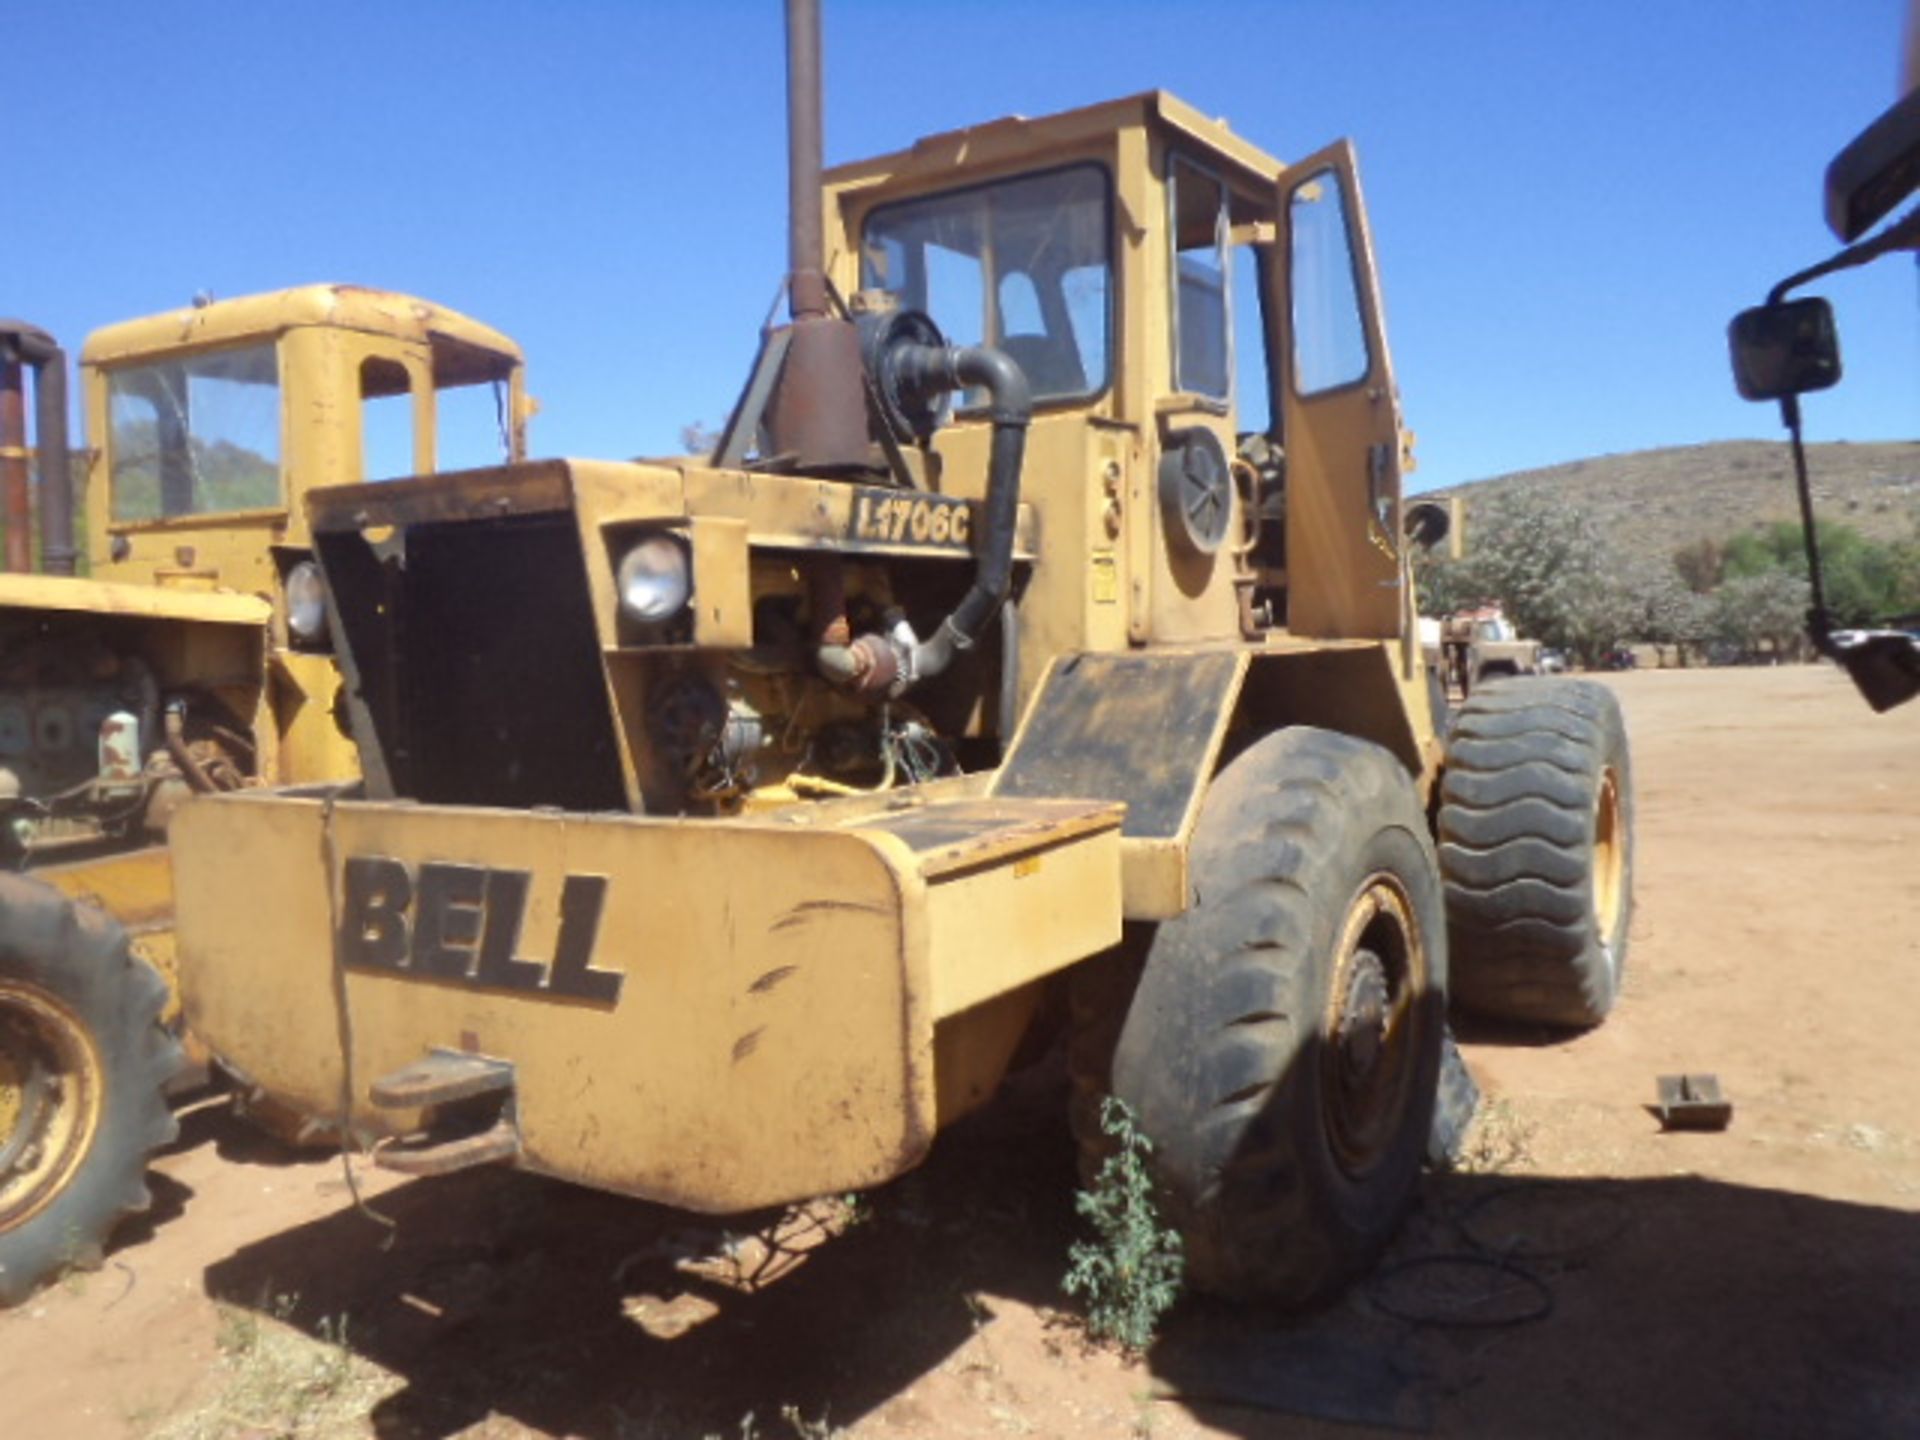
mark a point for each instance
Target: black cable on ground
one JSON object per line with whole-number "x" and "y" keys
{"x": 1510, "y": 1259}
{"x": 1465, "y": 1218}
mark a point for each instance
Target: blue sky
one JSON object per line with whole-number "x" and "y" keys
{"x": 1569, "y": 199}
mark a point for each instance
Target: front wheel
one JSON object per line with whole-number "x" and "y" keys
{"x": 84, "y": 1063}
{"x": 1282, "y": 1049}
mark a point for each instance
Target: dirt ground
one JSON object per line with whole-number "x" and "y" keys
{"x": 1760, "y": 1282}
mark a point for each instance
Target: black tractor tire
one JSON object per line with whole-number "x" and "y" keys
{"x": 1282, "y": 1049}
{"x": 1536, "y": 848}
{"x": 84, "y": 1063}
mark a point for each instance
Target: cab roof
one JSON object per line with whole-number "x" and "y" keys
{"x": 991, "y": 141}
{"x": 462, "y": 348}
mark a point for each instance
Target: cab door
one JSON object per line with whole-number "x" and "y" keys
{"x": 1340, "y": 409}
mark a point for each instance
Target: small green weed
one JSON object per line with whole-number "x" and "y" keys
{"x": 1129, "y": 1273}
{"x": 805, "y": 1429}
{"x": 277, "y": 1380}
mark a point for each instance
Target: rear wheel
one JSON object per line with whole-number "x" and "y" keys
{"x": 83, "y": 1064}
{"x": 1282, "y": 1048}
{"x": 1536, "y": 847}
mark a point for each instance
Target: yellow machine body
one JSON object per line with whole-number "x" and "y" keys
{"x": 755, "y": 993}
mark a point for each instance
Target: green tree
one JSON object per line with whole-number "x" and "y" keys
{"x": 1548, "y": 566}
{"x": 1442, "y": 586}
{"x": 1701, "y": 566}
{"x": 1664, "y": 610}
{"x": 1866, "y": 580}
{"x": 1763, "y": 614}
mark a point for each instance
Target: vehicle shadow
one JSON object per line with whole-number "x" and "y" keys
{"x": 579, "y": 1313}
{"x": 1509, "y": 1306}
{"x": 1530, "y": 1306}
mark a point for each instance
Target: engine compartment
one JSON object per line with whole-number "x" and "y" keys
{"x": 95, "y": 748}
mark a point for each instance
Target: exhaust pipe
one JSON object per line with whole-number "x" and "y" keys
{"x": 817, "y": 416}
{"x": 806, "y": 149}
{"x": 21, "y": 343}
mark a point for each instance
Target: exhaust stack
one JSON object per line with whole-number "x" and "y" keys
{"x": 24, "y": 344}
{"x": 817, "y": 415}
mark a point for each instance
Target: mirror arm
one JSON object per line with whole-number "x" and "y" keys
{"x": 1903, "y": 234}
{"x": 1819, "y": 622}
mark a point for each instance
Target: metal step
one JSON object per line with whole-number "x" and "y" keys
{"x": 442, "y": 1078}
{"x": 428, "y": 1156}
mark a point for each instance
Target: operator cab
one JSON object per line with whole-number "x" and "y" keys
{"x": 1216, "y": 447}
{"x": 214, "y": 421}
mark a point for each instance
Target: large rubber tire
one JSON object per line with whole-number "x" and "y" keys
{"x": 1282, "y": 1049}
{"x": 1536, "y": 847}
{"x": 84, "y": 1062}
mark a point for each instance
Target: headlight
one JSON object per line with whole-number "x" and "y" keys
{"x": 306, "y": 602}
{"x": 653, "y": 580}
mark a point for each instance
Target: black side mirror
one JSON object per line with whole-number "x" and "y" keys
{"x": 1884, "y": 665}
{"x": 1427, "y": 524}
{"x": 1785, "y": 349}
{"x": 1879, "y": 169}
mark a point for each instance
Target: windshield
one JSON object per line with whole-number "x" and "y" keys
{"x": 196, "y": 434}
{"x": 1022, "y": 264}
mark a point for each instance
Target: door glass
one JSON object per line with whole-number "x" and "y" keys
{"x": 1329, "y": 338}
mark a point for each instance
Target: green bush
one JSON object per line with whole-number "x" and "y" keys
{"x": 1129, "y": 1273}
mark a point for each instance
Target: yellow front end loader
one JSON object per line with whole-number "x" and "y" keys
{"x": 1042, "y": 619}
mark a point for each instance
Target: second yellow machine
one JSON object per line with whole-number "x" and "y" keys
{"x": 194, "y": 657}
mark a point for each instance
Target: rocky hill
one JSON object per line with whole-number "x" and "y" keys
{"x": 1655, "y": 501}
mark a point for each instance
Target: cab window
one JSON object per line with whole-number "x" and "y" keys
{"x": 1200, "y": 340}
{"x": 471, "y": 429}
{"x": 195, "y": 435}
{"x": 386, "y": 420}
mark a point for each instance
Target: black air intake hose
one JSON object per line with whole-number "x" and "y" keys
{"x": 928, "y": 371}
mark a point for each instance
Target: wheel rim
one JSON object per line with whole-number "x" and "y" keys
{"x": 1371, "y": 1037}
{"x": 1609, "y": 859}
{"x": 50, "y": 1096}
